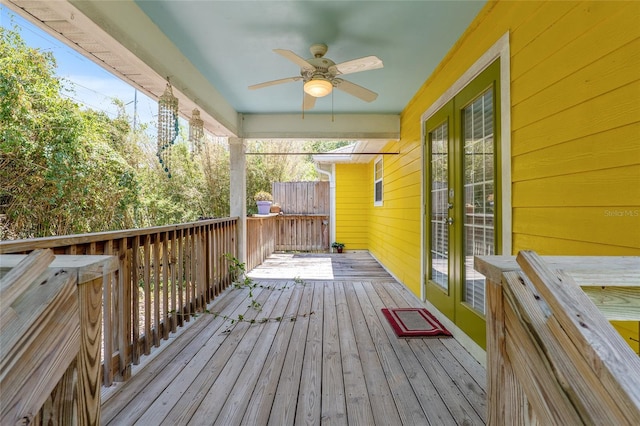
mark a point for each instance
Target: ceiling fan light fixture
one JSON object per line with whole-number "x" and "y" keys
{"x": 318, "y": 87}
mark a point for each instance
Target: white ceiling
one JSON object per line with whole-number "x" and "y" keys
{"x": 213, "y": 50}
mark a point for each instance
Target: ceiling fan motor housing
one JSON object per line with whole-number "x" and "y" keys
{"x": 322, "y": 66}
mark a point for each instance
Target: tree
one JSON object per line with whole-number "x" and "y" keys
{"x": 215, "y": 163}
{"x": 68, "y": 170}
{"x": 59, "y": 172}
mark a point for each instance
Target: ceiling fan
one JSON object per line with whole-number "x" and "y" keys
{"x": 320, "y": 75}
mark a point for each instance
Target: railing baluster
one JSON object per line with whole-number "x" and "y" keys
{"x": 192, "y": 269}
{"x": 107, "y": 289}
{"x": 187, "y": 274}
{"x": 157, "y": 279}
{"x": 180, "y": 283}
{"x": 165, "y": 286}
{"x": 124, "y": 310}
{"x": 147, "y": 293}
{"x": 135, "y": 300}
{"x": 174, "y": 277}
{"x": 201, "y": 278}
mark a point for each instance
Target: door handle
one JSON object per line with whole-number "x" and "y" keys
{"x": 449, "y": 221}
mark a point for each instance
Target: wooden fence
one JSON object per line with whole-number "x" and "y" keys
{"x": 552, "y": 355}
{"x": 298, "y": 198}
{"x": 50, "y": 337}
{"x": 165, "y": 275}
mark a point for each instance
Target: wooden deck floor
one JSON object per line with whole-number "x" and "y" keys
{"x": 339, "y": 362}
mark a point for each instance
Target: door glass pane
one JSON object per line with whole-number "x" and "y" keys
{"x": 439, "y": 231}
{"x": 478, "y": 194}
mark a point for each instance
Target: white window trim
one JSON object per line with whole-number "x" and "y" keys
{"x": 499, "y": 50}
{"x": 378, "y": 203}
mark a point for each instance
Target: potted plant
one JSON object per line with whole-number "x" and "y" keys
{"x": 338, "y": 246}
{"x": 263, "y": 201}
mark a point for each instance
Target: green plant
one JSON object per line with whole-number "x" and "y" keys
{"x": 237, "y": 271}
{"x": 337, "y": 245}
{"x": 263, "y": 196}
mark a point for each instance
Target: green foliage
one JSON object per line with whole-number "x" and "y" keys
{"x": 237, "y": 271}
{"x": 214, "y": 160}
{"x": 59, "y": 171}
{"x": 70, "y": 170}
{"x": 263, "y": 196}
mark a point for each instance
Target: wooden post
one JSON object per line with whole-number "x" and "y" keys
{"x": 90, "y": 304}
{"x": 507, "y": 402}
{"x": 551, "y": 355}
{"x": 81, "y": 314}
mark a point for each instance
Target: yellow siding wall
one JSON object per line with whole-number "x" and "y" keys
{"x": 631, "y": 333}
{"x": 394, "y": 227}
{"x": 575, "y": 130}
{"x": 354, "y": 195}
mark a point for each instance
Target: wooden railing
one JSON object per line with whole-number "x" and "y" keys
{"x": 50, "y": 333}
{"x": 552, "y": 355}
{"x": 302, "y": 233}
{"x": 165, "y": 275}
{"x": 268, "y": 234}
{"x": 261, "y": 239}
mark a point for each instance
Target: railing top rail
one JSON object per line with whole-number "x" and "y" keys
{"x": 17, "y": 246}
{"x": 587, "y": 271}
{"x": 305, "y": 215}
{"x": 611, "y": 282}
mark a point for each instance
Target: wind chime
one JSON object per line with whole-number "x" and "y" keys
{"x": 167, "y": 127}
{"x": 196, "y": 132}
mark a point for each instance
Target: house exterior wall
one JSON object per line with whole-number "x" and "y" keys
{"x": 354, "y": 195}
{"x": 575, "y": 133}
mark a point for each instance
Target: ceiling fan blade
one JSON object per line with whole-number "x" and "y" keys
{"x": 302, "y": 63}
{"x": 355, "y": 90}
{"x": 274, "y": 82}
{"x": 357, "y": 65}
{"x": 308, "y": 102}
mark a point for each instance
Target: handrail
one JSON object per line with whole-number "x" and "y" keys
{"x": 165, "y": 275}
{"x": 65, "y": 241}
{"x": 552, "y": 356}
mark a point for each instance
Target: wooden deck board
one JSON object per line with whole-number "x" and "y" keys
{"x": 157, "y": 373}
{"x": 284, "y": 405}
{"x": 406, "y": 400}
{"x": 334, "y": 407}
{"x": 338, "y": 362}
{"x": 263, "y": 395}
{"x": 355, "y": 388}
{"x": 378, "y": 389}
{"x": 309, "y": 393}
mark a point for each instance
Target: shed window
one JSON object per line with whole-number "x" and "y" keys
{"x": 377, "y": 183}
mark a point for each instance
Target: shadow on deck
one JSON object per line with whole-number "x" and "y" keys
{"x": 331, "y": 357}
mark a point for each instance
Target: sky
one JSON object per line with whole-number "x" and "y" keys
{"x": 88, "y": 83}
